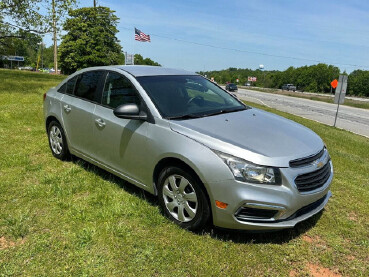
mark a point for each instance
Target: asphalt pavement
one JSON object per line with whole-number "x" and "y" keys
{"x": 352, "y": 119}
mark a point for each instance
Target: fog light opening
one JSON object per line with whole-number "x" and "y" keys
{"x": 220, "y": 204}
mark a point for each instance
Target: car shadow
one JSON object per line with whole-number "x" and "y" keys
{"x": 257, "y": 237}
{"x": 125, "y": 185}
{"x": 235, "y": 236}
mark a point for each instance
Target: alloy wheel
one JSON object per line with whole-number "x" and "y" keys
{"x": 56, "y": 140}
{"x": 180, "y": 198}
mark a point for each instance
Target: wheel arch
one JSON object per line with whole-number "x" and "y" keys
{"x": 174, "y": 161}
{"x": 49, "y": 119}
{"x": 53, "y": 117}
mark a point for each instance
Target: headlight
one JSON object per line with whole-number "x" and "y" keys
{"x": 248, "y": 172}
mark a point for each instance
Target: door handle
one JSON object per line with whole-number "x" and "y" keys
{"x": 100, "y": 122}
{"x": 67, "y": 108}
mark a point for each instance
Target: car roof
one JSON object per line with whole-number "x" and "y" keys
{"x": 140, "y": 70}
{"x": 147, "y": 70}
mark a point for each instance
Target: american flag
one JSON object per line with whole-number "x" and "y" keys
{"x": 141, "y": 36}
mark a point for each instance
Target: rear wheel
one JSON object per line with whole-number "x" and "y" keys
{"x": 183, "y": 198}
{"x": 57, "y": 141}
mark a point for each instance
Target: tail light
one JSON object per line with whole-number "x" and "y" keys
{"x": 44, "y": 96}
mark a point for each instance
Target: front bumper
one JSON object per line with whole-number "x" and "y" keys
{"x": 290, "y": 205}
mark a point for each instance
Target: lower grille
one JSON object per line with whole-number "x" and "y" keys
{"x": 313, "y": 180}
{"x": 263, "y": 215}
{"x": 308, "y": 208}
{"x": 250, "y": 214}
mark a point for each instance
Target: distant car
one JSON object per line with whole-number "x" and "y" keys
{"x": 247, "y": 84}
{"x": 231, "y": 87}
{"x": 25, "y": 68}
{"x": 44, "y": 70}
{"x": 289, "y": 87}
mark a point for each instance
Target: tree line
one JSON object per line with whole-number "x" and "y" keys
{"x": 89, "y": 35}
{"x": 313, "y": 78}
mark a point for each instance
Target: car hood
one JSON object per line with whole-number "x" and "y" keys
{"x": 254, "y": 135}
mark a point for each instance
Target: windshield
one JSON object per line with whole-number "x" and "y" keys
{"x": 188, "y": 96}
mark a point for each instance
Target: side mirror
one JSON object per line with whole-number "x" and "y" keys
{"x": 129, "y": 111}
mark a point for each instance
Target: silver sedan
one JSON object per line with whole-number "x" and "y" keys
{"x": 206, "y": 155}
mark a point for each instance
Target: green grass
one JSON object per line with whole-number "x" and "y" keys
{"x": 326, "y": 99}
{"x": 73, "y": 219}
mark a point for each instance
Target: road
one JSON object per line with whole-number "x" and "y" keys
{"x": 352, "y": 119}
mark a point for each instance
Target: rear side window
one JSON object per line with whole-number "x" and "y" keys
{"x": 87, "y": 84}
{"x": 118, "y": 90}
{"x": 62, "y": 88}
{"x": 70, "y": 85}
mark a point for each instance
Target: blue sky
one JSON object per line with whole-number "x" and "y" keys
{"x": 335, "y": 32}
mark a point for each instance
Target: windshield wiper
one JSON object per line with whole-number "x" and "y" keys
{"x": 226, "y": 111}
{"x": 184, "y": 116}
{"x": 191, "y": 116}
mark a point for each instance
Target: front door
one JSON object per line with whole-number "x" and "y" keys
{"x": 119, "y": 143}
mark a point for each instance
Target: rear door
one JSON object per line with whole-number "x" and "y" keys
{"x": 78, "y": 107}
{"x": 119, "y": 143}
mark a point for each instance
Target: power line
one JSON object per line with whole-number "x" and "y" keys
{"x": 248, "y": 51}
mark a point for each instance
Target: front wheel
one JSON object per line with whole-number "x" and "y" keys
{"x": 183, "y": 198}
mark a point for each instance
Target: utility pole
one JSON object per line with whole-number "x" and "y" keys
{"x": 42, "y": 54}
{"x": 54, "y": 38}
{"x": 94, "y": 3}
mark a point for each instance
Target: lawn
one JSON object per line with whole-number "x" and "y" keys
{"x": 73, "y": 219}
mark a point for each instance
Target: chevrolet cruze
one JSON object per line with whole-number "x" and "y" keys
{"x": 206, "y": 156}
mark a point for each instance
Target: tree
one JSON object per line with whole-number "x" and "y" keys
{"x": 90, "y": 40}
{"x": 358, "y": 83}
{"x": 28, "y": 47}
{"x": 48, "y": 56}
{"x": 57, "y": 12}
{"x": 21, "y": 15}
{"x": 25, "y": 17}
{"x": 141, "y": 61}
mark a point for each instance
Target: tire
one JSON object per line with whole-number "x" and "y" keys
{"x": 183, "y": 198}
{"x": 57, "y": 141}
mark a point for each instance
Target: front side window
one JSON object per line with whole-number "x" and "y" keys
{"x": 87, "y": 84}
{"x": 118, "y": 90}
{"x": 188, "y": 96}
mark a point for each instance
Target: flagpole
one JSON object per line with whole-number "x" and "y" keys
{"x": 134, "y": 44}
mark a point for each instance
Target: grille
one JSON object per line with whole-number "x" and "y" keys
{"x": 306, "y": 160}
{"x": 313, "y": 180}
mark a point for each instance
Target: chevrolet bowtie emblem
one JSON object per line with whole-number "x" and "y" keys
{"x": 320, "y": 165}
